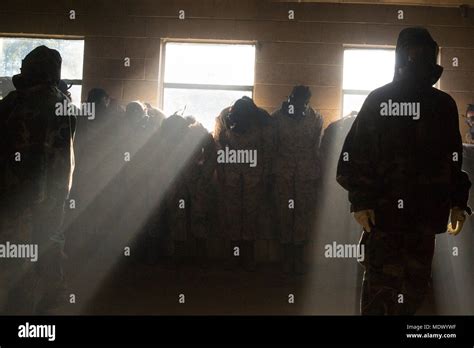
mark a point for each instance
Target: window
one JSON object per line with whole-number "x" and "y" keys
{"x": 13, "y": 50}
{"x": 364, "y": 70}
{"x": 201, "y": 79}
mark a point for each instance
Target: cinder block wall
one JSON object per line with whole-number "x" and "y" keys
{"x": 307, "y": 50}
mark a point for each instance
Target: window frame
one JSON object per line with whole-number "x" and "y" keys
{"x": 162, "y": 84}
{"x": 69, "y": 82}
{"x": 364, "y": 92}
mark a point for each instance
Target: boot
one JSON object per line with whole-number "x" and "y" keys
{"x": 300, "y": 264}
{"x": 287, "y": 258}
{"x": 233, "y": 261}
{"x": 250, "y": 265}
{"x": 201, "y": 253}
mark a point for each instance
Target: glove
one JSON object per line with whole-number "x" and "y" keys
{"x": 365, "y": 218}
{"x": 458, "y": 216}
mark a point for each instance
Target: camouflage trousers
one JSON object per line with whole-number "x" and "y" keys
{"x": 16, "y": 275}
{"x": 242, "y": 204}
{"x": 32, "y": 287}
{"x": 296, "y": 223}
{"x": 188, "y": 207}
{"x": 397, "y": 270}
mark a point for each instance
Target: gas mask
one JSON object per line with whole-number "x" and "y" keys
{"x": 297, "y": 105}
{"x": 419, "y": 66}
{"x": 241, "y": 115}
{"x": 416, "y": 55}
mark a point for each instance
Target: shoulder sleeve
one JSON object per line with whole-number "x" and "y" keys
{"x": 356, "y": 170}
{"x": 220, "y": 128}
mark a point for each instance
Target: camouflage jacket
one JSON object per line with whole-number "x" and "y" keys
{"x": 37, "y": 153}
{"x": 297, "y": 143}
{"x": 385, "y": 158}
{"x": 258, "y": 137}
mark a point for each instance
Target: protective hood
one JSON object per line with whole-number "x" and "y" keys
{"x": 297, "y": 105}
{"x": 242, "y": 115}
{"x": 41, "y": 65}
{"x": 415, "y": 57}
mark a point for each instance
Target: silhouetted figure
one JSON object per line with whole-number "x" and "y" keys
{"x": 243, "y": 138}
{"x": 401, "y": 163}
{"x": 189, "y": 191}
{"x": 296, "y": 168}
{"x": 98, "y": 163}
{"x": 37, "y": 165}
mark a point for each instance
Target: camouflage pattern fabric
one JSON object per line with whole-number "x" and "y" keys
{"x": 409, "y": 172}
{"x": 296, "y": 168}
{"x": 242, "y": 187}
{"x": 397, "y": 270}
{"x": 38, "y": 162}
{"x": 193, "y": 186}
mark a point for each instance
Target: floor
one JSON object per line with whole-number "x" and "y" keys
{"x": 135, "y": 288}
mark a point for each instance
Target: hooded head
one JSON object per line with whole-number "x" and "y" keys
{"x": 135, "y": 111}
{"x": 415, "y": 57}
{"x": 298, "y": 102}
{"x": 242, "y": 114}
{"x": 41, "y": 66}
{"x": 174, "y": 127}
{"x": 100, "y": 98}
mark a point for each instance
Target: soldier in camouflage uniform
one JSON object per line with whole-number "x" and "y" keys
{"x": 296, "y": 168}
{"x": 135, "y": 133}
{"x": 155, "y": 117}
{"x": 404, "y": 179}
{"x": 96, "y": 189}
{"x": 37, "y": 165}
{"x": 189, "y": 195}
{"x": 243, "y": 126}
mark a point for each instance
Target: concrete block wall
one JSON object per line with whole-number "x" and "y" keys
{"x": 307, "y": 50}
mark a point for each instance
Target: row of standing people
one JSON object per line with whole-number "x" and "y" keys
{"x": 77, "y": 186}
{"x": 177, "y": 183}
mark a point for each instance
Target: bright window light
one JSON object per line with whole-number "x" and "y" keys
{"x": 364, "y": 70}
{"x": 201, "y": 79}
{"x": 13, "y": 50}
{"x": 352, "y": 102}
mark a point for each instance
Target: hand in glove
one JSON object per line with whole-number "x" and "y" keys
{"x": 365, "y": 218}
{"x": 458, "y": 216}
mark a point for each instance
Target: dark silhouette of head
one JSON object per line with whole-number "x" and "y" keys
{"x": 101, "y": 99}
{"x": 135, "y": 111}
{"x": 174, "y": 126}
{"x": 298, "y": 101}
{"x": 416, "y": 56}
{"x": 41, "y": 66}
{"x": 242, "y": 114}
